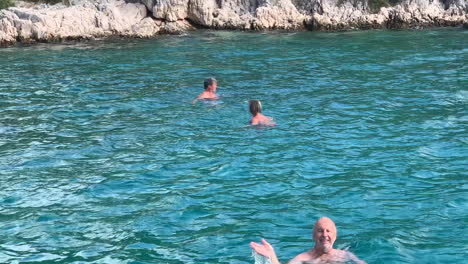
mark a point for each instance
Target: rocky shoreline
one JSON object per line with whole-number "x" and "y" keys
{"x": 87, "y": 19}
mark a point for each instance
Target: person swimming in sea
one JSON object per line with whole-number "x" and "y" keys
{"x": 323, "y": 252}
{"x": 209, "y": 93}
{"x": 258, "y": 118}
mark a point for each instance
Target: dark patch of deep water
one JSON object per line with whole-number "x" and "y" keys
{"x": 104, "y": 160}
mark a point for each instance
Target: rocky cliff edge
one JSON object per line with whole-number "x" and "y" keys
{"x": 78, "y": 19}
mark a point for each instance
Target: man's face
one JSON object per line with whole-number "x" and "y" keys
{"x": 214, "y": 86}
{"x": 324, "y": 234}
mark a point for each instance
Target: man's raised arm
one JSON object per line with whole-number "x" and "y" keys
{"x": 265, "y": 249}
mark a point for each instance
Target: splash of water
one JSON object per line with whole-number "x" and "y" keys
{"x": 259, "y": 259}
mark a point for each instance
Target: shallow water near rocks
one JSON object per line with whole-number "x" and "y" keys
{"x": 103, "y": 159}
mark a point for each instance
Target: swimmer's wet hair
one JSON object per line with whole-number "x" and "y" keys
{"x": 255, "y": 106}
{"x": 209, "y": 81}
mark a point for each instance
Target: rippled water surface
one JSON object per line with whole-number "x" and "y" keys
{"x": 103, "y": 159}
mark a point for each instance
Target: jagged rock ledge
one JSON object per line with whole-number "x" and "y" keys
{"x": 148, "y": 18}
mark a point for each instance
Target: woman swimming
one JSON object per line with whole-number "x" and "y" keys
{"x": 255, "y": 107}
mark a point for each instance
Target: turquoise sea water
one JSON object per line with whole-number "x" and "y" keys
{"x": 103, "y": 159}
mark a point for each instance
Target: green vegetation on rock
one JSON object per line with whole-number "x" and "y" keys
{"x": 374, "y": 5}
{"x": 51, "y": 2}
{"x": 6, "y": 3}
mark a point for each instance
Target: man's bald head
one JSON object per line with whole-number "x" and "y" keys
{"x": 324, "y": 221}
{"x": 324, "y": 234}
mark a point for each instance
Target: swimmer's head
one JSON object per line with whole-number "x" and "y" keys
{"x": 255, "y": 107}
{"x": 210, "y": 82}
{"x": 324, "y": 234}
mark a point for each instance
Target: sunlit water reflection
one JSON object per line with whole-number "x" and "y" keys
{"x": 104, "y": 160}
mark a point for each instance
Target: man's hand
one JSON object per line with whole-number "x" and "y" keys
{"x": 266, "y": 250}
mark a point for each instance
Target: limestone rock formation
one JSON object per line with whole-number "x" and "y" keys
{"x": 421, "y": 13}
{"x": 146, "y": 18}
{"x": 309, "y": 14}
{"x": 84, "y": 20}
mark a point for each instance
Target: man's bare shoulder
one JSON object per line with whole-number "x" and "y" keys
{"x": 338, "y": 256}
{"x": 341, "y": 252}
{"x": 351, "y": 257}
{"x": 346, "y": 257}
{"x": 207, "y": 95}
{"x": 301, "y": 258}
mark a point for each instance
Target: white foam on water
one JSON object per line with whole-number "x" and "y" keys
{"x": 259, "y": 259}
{"x": 439, "y": 124}
{"x": 462, "y": 96}
{"x": 40, "y": 92}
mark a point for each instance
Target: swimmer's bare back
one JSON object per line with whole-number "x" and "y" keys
{"x": 206, "y": 96}
{"x": 261, "y": 120}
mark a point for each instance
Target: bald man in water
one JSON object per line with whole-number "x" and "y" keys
{"x": 322, "y": 252}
